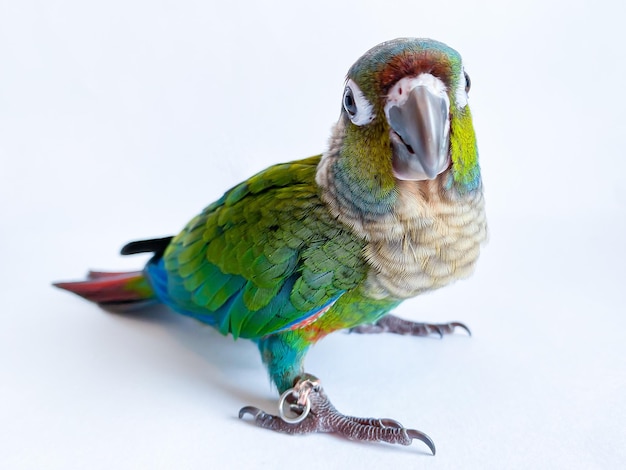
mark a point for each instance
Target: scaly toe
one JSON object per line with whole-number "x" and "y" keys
{"x": 390, "y": 423}
{"x": 319, "y": 415}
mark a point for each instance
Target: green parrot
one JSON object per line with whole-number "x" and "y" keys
{"x": 393, "y": 208}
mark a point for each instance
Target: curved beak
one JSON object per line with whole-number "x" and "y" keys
{"x": 420, "y": 134}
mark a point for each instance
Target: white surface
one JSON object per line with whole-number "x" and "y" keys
{"x": 122, "y": 119}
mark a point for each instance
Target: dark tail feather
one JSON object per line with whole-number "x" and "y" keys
{"x": 129, "y": 290}
{"x": 155, "y": 245}
{"x": 92, "y": 275}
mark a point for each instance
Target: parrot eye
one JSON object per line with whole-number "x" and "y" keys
{"x": 359, "y": 110}
{"x": 468, "y": 83}
{"x": 348, "y": 102}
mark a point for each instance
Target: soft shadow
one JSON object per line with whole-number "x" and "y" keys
{"x": 223, "y": 355}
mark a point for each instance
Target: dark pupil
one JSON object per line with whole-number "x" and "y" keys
{"x": 348, "y": 102}
{"x": 468, "y": 82}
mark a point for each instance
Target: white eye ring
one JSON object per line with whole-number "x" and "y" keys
{"x": 359, "y": 110}
{"x": 461, "y": 91}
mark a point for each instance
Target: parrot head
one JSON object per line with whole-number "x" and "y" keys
{"x": 405, "y": 116}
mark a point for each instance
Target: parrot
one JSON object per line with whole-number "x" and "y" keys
{"x": 393, "y": 208}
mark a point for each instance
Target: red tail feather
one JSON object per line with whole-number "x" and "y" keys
{"x": 111, "y": 288}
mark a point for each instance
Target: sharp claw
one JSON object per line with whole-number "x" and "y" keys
{"x": 439, "y": 330}
{"x": 461, "y": 325}
{"x": 250, "y": 410}
{"x": 414, "y": 434}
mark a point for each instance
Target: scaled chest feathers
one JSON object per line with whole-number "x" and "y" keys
{"x": 428, "y": 238}
{"x": 431, "y": 238}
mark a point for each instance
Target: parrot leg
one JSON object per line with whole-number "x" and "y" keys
{"x": 391, "y": 324}
{"x": 314, "y": 412}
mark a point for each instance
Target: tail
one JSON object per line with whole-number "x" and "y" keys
{"x": 120, "y": 290}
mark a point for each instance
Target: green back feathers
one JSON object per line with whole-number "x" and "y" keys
{"x": 264, "y": 256}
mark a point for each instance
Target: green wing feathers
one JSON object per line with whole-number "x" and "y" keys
{"x": 264, "y": 256}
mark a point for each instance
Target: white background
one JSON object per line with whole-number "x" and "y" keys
{"x": 122, "y": 119}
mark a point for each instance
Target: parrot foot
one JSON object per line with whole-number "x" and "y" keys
{"x": 391, "y": 324}
{"x": 309, "y": 410}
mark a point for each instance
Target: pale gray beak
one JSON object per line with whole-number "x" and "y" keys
{"x": 420, "y": 136}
